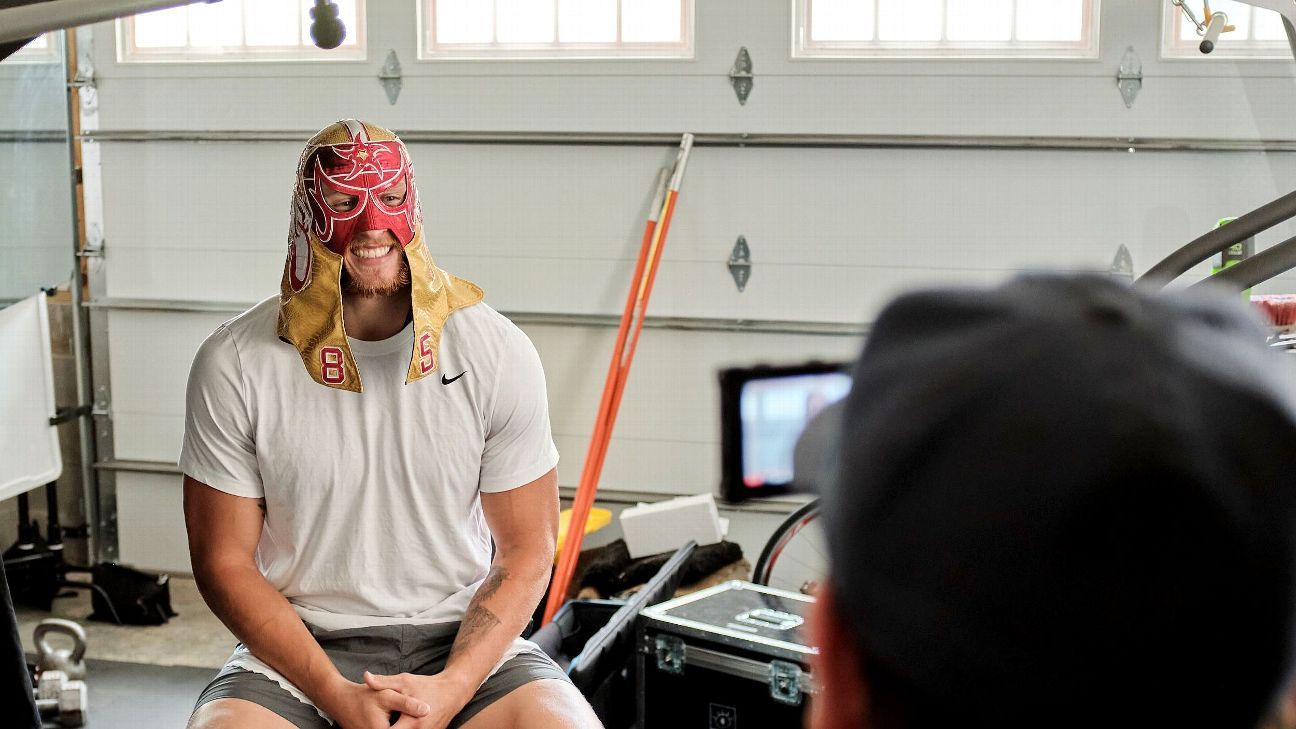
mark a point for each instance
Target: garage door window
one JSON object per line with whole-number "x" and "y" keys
{"x": 237, "y": 30}
{"x": 945, "y": 28}
{"x": 43, "y": 49}
{"x": 537, "y": 29}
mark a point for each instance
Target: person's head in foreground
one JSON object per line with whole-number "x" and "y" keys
{"x": 1058, "y": 503}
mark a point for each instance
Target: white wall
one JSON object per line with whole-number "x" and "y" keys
{"x": 834, "y": 233}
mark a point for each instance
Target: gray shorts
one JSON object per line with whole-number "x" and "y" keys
{"x": 384, "y": 650}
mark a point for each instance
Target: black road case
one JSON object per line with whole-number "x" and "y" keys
{"x": 731, "y": 656}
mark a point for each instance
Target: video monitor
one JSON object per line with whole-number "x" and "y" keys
{"x": 762, "y": 413}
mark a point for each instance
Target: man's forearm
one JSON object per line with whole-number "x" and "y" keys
{"x": 259, "y": 616}
{"x": 497, "y": 614}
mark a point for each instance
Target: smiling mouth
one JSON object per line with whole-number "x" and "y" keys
{"x": 375, "y": 252}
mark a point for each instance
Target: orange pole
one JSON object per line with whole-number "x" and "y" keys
{"x": 580, "y": 507}
{"x": 618, "y": 349}
{"x": 623, "y": 374}
{"x": 618, "y": 369}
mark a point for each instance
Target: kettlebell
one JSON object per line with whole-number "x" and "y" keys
{"x": 50, "y": 658}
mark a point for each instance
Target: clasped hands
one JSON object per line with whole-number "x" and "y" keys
{"x": 423, "y": 702}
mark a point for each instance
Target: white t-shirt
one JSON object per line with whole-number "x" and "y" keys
{"x": 372, "y": 500}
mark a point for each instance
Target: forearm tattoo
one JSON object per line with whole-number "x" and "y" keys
{"x": 478, "y": 619}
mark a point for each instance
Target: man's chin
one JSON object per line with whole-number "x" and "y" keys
{"x": 371, "y": 292}
{"x": 372, "y": 287}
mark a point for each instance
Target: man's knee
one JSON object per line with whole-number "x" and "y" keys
{"x": 236, "y": 714}
{"x": 540, "y": 705}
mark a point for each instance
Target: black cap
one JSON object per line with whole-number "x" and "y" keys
{"x": 1065, "y": 502}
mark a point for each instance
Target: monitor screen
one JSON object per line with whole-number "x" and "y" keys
{"x": 763, "y": 411}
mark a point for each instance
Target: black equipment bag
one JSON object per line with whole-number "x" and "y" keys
{"x": 125, "y": 596}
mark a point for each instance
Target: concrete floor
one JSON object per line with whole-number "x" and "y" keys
{"x": 142, "y": 676}
{"x": 132, "y": 695}
{"x": 193, "y": 638}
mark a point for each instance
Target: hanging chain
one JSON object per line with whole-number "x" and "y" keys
{"x": 1188, "y": 13}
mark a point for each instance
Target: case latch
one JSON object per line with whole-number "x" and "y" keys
{"x": 670, "y": 654}
{"x": 784, "y": 680}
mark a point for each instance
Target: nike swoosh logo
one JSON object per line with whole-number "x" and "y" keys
{"x": 444, "y": 381}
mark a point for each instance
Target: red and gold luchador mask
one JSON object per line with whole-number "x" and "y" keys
{"x": 363, "y": 160}
{"x": 366, "y": 169}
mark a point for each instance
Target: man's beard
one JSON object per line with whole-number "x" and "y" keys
{"x": 356, "y": 286}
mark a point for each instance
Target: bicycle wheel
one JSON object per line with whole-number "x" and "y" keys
{"x": 796, "y": 557}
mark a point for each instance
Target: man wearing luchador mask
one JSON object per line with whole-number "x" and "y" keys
{"x": 355, "y": 451}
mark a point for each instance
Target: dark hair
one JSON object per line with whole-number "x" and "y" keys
{"x": 1063, "y": 502}
{"x": 894, "y": 702}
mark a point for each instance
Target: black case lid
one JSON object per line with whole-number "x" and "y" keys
{"x": 741, "y": 614}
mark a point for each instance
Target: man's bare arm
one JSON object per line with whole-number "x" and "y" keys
{"x": 524, "y": 523}
{"x": 223, "y": 534}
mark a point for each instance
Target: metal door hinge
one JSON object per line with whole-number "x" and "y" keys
{"x": 1130, "y": 77}
{"x": 84, "y": 78}
{"x": 741, "y": 77}
{"x": 670, "y": 654}
{"x": 785, "y": 682}
{"x": 94, "y": 243}
{"x": 84, "y": 83}
{"x": 102, "y": 405}
{"x": 740, "y": 263}
{"x": 1122, "y": 266}
{"x": 390, "y": 77}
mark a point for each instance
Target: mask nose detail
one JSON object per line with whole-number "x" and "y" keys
{"x": 375, "y": 216}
